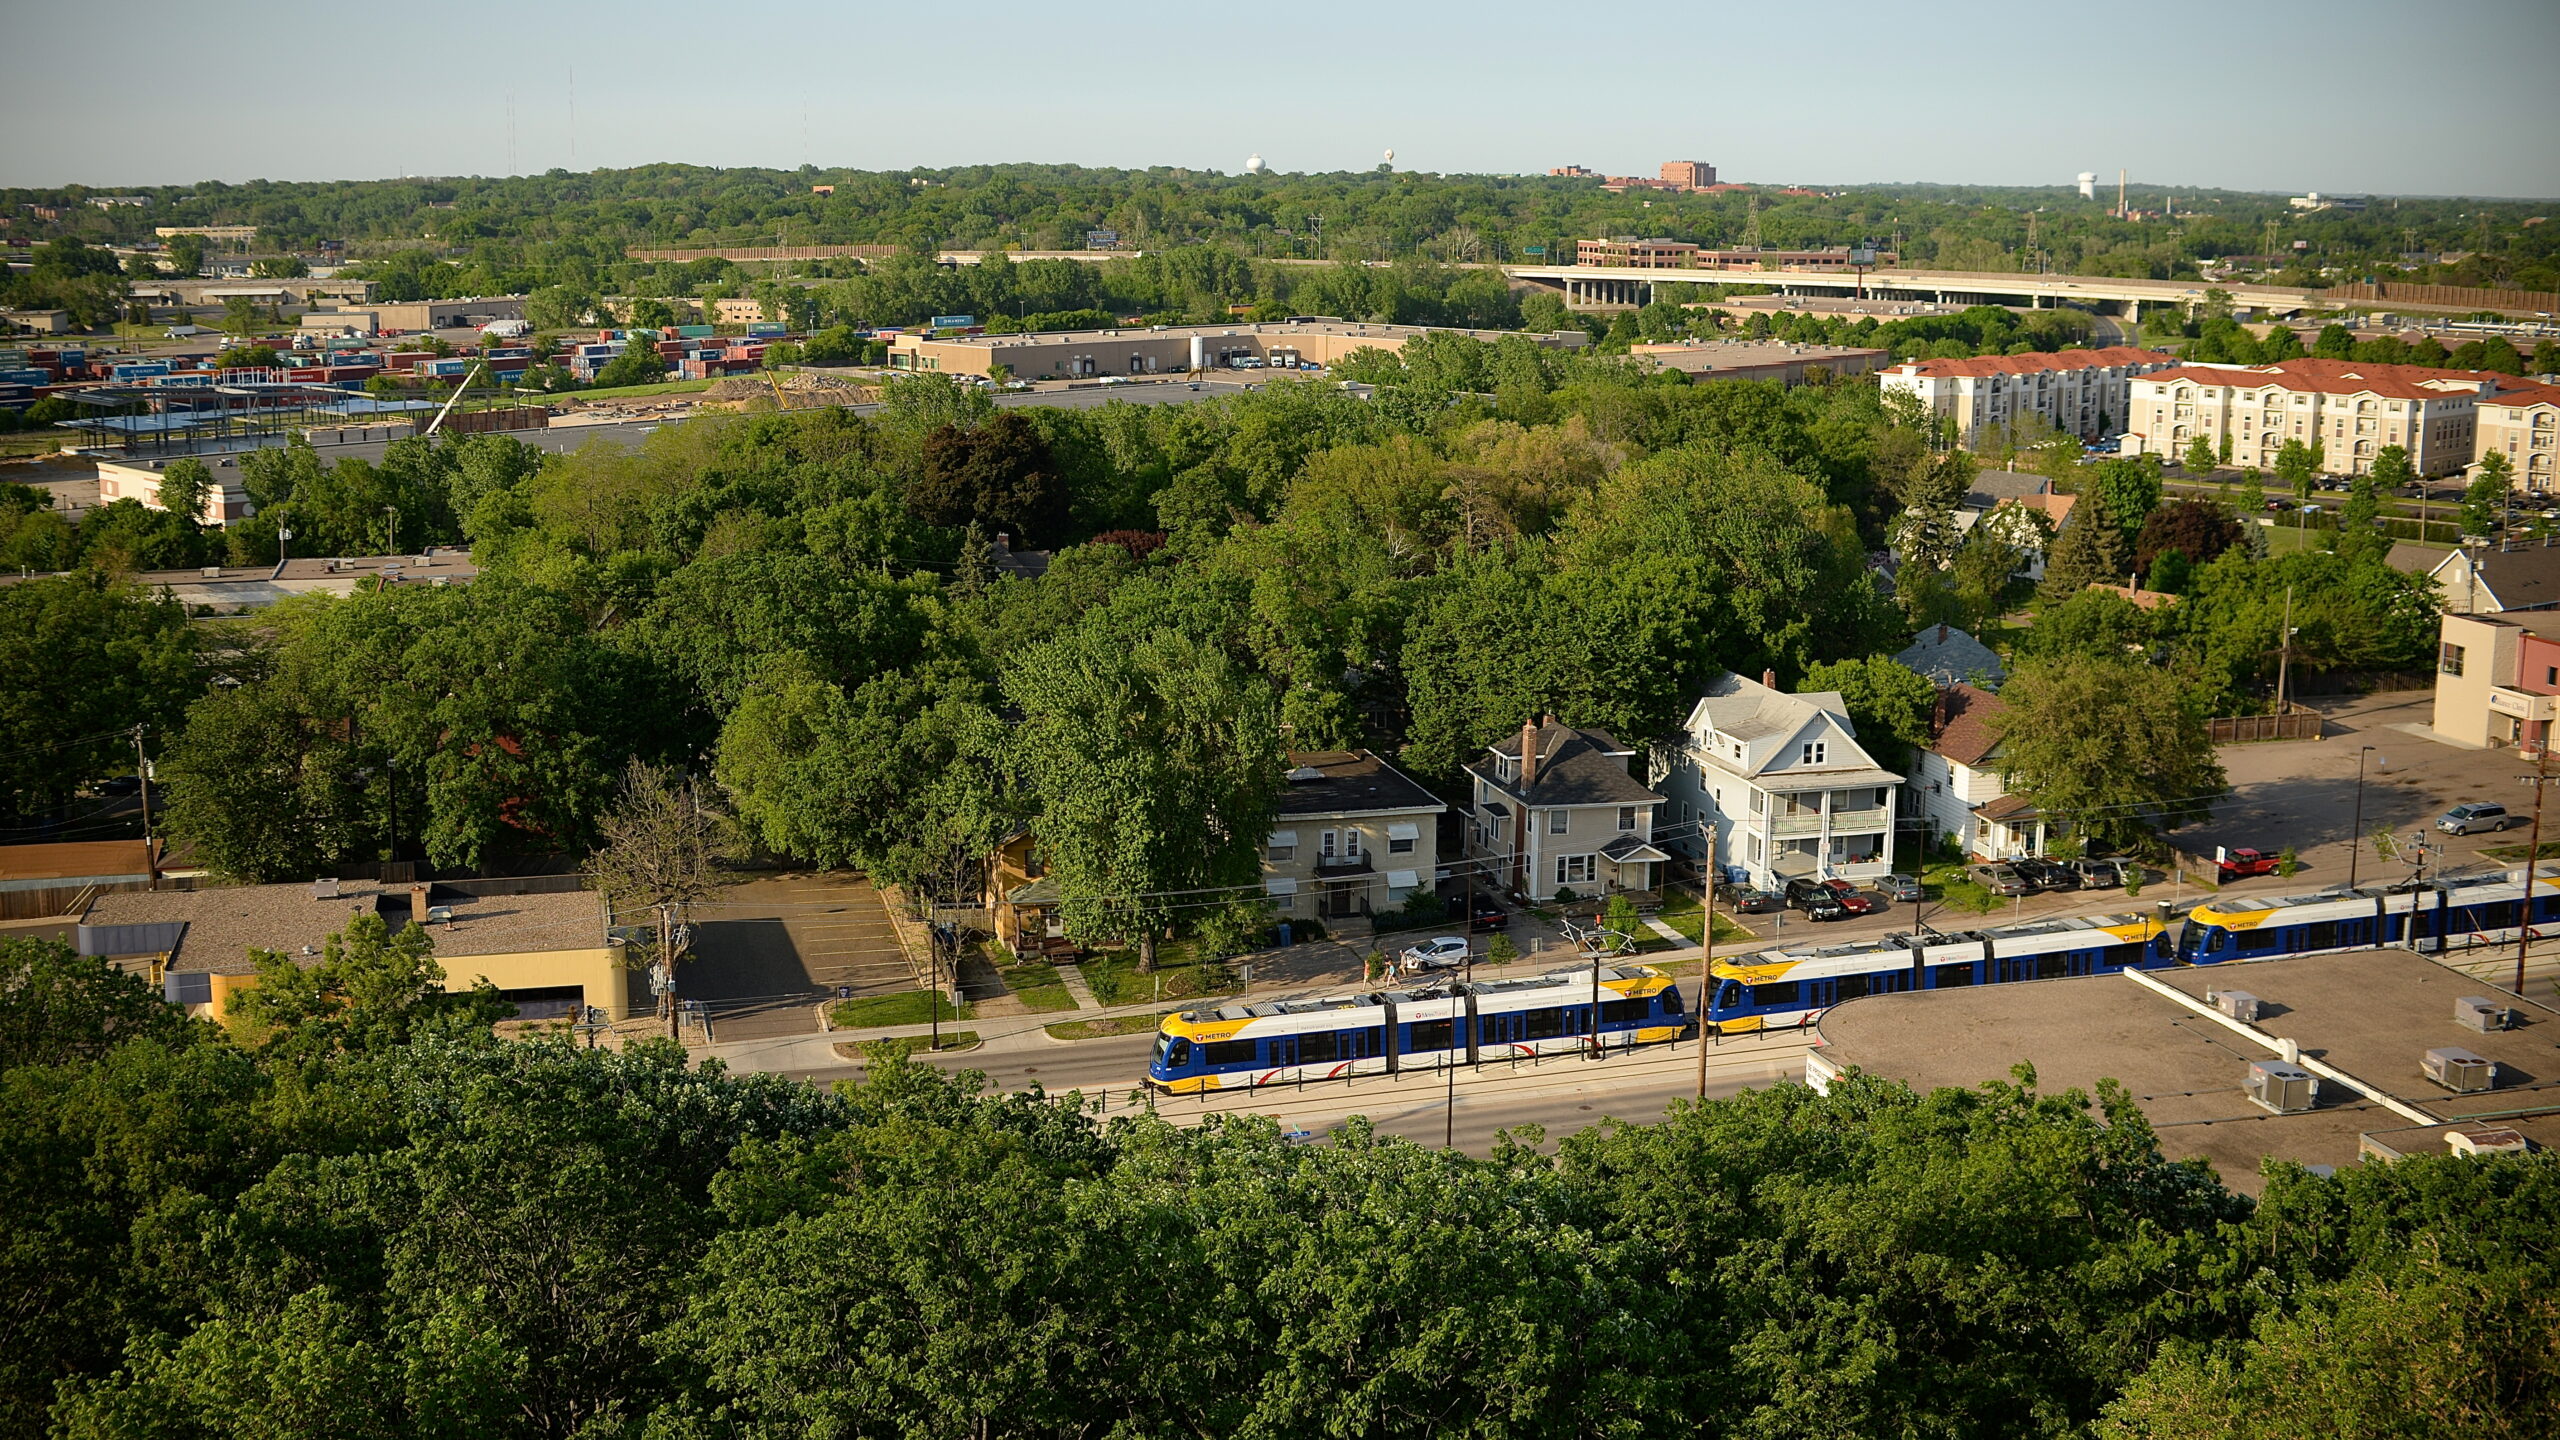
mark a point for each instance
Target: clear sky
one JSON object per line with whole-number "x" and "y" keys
{"x": 2440, "y": 97}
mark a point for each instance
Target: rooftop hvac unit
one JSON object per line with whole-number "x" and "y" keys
{"x": 2485, "y": 1140}
{"x": 325, "y": 889}
{"x": 2282, "y": 1088}
{"x": 2482, "y": 1014}
{"x": 2238, "y": 1004}
{"x": 2460, "y": 1071}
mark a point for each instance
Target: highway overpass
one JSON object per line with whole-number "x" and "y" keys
{"x": 1610, "y": 287}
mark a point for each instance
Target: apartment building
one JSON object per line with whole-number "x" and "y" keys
{"x": 1628, "y": 252}
{"x": 1352, "y": 836}
{"x": 1555, "y": 808}
{"x": 1783, "y": 782}
{"x": 2522, "y": 422}
{"x": 2081, "y": 392}
{"x": 2353, "y": 410}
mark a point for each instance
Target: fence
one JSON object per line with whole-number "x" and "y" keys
{"x": 2299, "y": 723}
{"x": 481, "y": 422}
{"x": 2453, "y": 296}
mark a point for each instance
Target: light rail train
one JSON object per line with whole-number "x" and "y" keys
{"x": 1235, "y": 1047}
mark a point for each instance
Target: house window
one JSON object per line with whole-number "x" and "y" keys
{"x": 1759, "y": 801}
{"x": 1285, "y": 852}
{"x": 1575, "y": 869}
{"x": 1399, "y": 844}
{"x": 1350, "y": 844}
{"x": 1627, "y": 813}
{"x": 2449, "y": 659}
{"x": 1555, "y": 822}
{"x": 1814, "y": 751}
{"x": 1325, "y": 843}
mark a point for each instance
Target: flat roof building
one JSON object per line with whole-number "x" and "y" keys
{"x": 238, "y": 589}
{"x": 1760, "y": 359}
{"x": 2360, "y": 1022}
{"x": 1174, "y": 349}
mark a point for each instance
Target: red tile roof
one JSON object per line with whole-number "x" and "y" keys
{"x": 2342, "y": 377}
{"x": 2524, "y": 392}
{"x": 1982, "y": 366}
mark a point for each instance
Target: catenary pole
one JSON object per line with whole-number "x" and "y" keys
{"x": 1707, "y": 963}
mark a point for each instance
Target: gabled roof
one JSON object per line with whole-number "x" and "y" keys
{"x": 1948, "y": 656}
{"x": 1998, "y": 485}
{"x": 1750, "y": 710}
{"x": 2520, "y": 579}
{"x": 1965, "y": 732}
{"x": 1574, "y": 767}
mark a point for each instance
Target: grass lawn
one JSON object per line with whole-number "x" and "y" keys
{"x": 1099, "y": 1029}
{"x": 906, "y": 1007}
{"x": 1113, "y": 975}
{"x": 1955, "y": 890}
{"x": 618, "y": 392}
{"x": 1683, "y": 913}
{"x": 915, "y": 1045}
{"x": 1038, "y": 986}
{"x": 2511, "y": 853}
{"x": 34, "y": 442}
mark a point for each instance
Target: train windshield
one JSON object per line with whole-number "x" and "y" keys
{"x": 1172, "y": 1053}
{"x": 1728, "y": 997}
{"x": 2190, "y": 935}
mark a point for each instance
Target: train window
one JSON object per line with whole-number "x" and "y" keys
{"x": 2118, "y": 957}
{"x": 1323, "y": 1047}
{"x": 1850, "y": 987}
{"x": 2261, "y": 939}
{"x": 1624, "y": 1012}
{"x": 1729, "y": 996}
{"x": 2392, "y": 925}
{"x": 2054, "y": 966}
{"x": 2500, "y": 915}
{"x": 1172, "y": 1053}
{"x": 1953, "y": 975}
{"x": 1670, "y": 998}
{"x": 1775, "y": 992}
{"x": 1545, "y": 1024}
{"x": 1228, "y": 1052}
{"x": 1432, "y": 1034}
{"x": 2546, "y": 907}
{"x": 2318, "y": 935}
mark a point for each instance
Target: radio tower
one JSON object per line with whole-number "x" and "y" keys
{"x": 1751, "y": 222}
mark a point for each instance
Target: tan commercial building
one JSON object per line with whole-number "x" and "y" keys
{"x": 2353, "y": 411}
{"x": 548, "y": 952}
{"x": 2497, "y": 678}
{"x": 1172, "y": 349}
{"x": 2522, "y": 422}
{"x": 1626, "y": 252}
{"x": 375, "y": 318}
{"x": 2079, "y": 392}
{"x": 1760, "y": 359}
{"x": 736, "y": 311}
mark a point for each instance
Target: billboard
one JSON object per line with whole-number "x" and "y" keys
{"x": 954, "y": 322}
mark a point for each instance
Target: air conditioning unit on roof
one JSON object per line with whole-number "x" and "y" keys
{"x": 2280, "y": 1087}
{"x": 2482, "y": 1014}
{"x": 2238, "y": 1004}
{"x": 2458, "y": 1070}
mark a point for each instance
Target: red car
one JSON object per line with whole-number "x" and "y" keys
{"x": 2241, "y": 864}
{"x": 1852, "y": 899}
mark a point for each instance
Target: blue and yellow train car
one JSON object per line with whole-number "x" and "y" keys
{"x": 1783, "y": 989}
{"x": 1284, "y": 1042}
{"x": 2430, "y": 917}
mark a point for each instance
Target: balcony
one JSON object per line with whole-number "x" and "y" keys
{"x": 1330, "y": 867}
{"x": 1783, "y": 826}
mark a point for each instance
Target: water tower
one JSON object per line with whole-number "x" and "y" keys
{"x": 2088, "y": 184}
{"x": 1253, "y": 163}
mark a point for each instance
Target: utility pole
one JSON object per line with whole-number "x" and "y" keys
{"x": 2355, "y": 832}
{"x": 2284, "y": 656}
{"x": 2540, "y": 780}
{"x": 142, "y": 773}
{"x": 1707, "y": 964}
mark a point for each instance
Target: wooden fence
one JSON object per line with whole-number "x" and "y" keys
{"x": 2298, "y": 724}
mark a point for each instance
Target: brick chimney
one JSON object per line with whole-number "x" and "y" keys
{"x": 1769, "y": 678}
{"x": 1529, "y": 752}
{"x": 1942, "y": 632}
{"x": 418, "y": 905}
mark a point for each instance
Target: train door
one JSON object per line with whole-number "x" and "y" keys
{"x": 1498, "y": 1033}
{"x": 1280, "y": 1053}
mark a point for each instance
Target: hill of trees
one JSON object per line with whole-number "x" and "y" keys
{"x": 363, "y": 1216}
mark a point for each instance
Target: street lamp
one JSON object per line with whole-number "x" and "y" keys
{"x": 2301, "y": 518}
{"x": 2355, "y": 833}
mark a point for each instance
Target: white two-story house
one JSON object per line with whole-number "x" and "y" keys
{"x": 1555, "y": 809}
{"x": 1956, "y": 784}
{"x": 1784, "y": 784}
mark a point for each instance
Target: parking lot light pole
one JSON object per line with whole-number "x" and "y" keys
{"x": 2355, "y": 832}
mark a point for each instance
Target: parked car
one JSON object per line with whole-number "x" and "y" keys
{"x": 1901, "y": 887}
{"x": 1815, "y": 900}
{"x": 1855, "y": 900}
{"x": 1486, "y": 914}
{"x": 2046, "y": 874}
{"x": 2000, "y": 880}
{"x": 2470, "y": 819}
{"x": 1440, "y": 952}
{"x": 2243, "y": 863}
{"x": 2098, "y": 874}
{"x": 1746, "y": 900}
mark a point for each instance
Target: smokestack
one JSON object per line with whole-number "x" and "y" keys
{"x": 1769, "y": 678}
{"x": 1528, "y": 752}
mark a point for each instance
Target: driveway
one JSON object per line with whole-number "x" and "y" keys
{"x": 770, "y": 948}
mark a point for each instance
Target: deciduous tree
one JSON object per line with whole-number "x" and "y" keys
{"x": 2100, "y": 745}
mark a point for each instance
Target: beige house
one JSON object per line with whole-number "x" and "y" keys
{"x": 550, "y": 953}
{"x": 2079, "y": 392}
{"x": 1556, "y": 808}
{"x": 1353, "y": 836}
{"x": 2353, "y": 411}
{"x": 2497, "y": 678}
{"x": 1957, "y": 787}
{"x": 2522, "y": 422}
